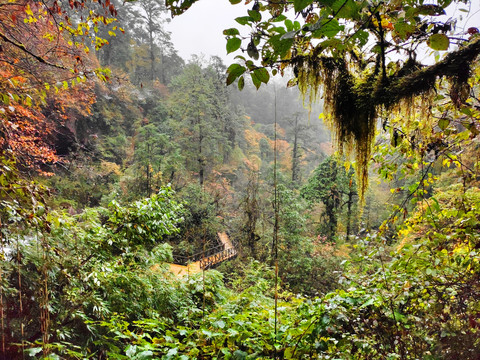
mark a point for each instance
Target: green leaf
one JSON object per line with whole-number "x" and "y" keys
{"x": 231, "y": 32}
{"x": 233, "y": 44}
{"x": 279, "y": 18}
{"x": 131, "y": 350}
{"x": 326, "y": 27}
{"x": 443, "y": 123}
{"x": 33, "y": 351}
{"x": 243, "y": 20}
{"x": 172, "y": 352}
{"x": 281, "y": 46}
{"x": 289, "y": 352}
{"x": 404, "y": 29}
{"x": 262, "y": 75}
{"x": 241, "y": 83}
{"x": 252, "y": 50}
{"x": 255, "y": 15}
{"x": 239, "y": 355}
{"x": 299, "y": 5}
{"x": 28, "y": 100}
{"x": 289, "y": 25}
{"x": 219, "y": 324}
{"x": 438, "y": 42}
{"x": 256, "y": 81}
{"x": 234, "y": 71}
{"x": 367, "y": 303}
{"x": 52, "y": 357}
{"x": 346, "y": 9}
{"x": 233, "y": 2}
{"x": 327, "y": 2}
{"x": 147, "y": 354}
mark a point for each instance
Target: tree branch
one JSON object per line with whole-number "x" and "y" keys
{"x": 25, "y": 50}
{"x": 454, "y": 65}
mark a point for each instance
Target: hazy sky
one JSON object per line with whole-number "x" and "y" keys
{"x": 200, "y": 29}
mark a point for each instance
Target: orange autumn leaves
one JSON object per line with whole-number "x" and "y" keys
{"x": 42, "y": 82}
{"x": 254, "y": 140}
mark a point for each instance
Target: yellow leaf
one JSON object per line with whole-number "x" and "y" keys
{"x": 28, "y": 10}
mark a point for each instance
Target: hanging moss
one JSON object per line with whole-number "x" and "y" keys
{"x": 348, "y": 102}
{"x": 352, "y": 102}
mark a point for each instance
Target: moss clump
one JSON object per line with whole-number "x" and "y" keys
{"x": 353, "y": 98}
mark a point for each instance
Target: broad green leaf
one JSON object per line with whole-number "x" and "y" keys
{"x": 404, "y": 29}
{"x": 438, "y": 42}
{"x": 299, "y": 5}
{"x": 172, "y": 352}
{"x": 234, "y": 71}
{"x": 281, "y": 46}
{"x": 28, "y": 100}
{"x": 231, "y": 32}
{"x": 346, "y": 9}
{"x": 328, "y": 28}
{"x": 243, "y": 20}
{"x": 233, "y": 2}
{"x": 279, "y": 18}
{"x": 256, "y": 81}
{"x": 262, "y": 75}
{"x": 443, "y": 123}
{"x": 444, "y": 3}
{"x": 52, "y": 357}
{"x": 233, "y": 44}
{"x": 289, "y": 25}
{"x": 327, "y": 2}
{"x": 255, "y": 15}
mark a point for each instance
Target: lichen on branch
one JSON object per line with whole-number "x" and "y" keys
{"x": 353, "y": 97}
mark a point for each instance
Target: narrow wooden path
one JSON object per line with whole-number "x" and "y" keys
{"x": 209, "y": 261}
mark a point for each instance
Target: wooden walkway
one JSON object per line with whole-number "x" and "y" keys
{"x": 209, "y": 261}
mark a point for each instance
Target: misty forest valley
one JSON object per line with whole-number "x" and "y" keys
{"x": 315, "y": 194}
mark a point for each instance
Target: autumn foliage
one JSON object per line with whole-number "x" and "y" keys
{"x": 42, "y": 55}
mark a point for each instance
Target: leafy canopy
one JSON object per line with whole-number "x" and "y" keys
{"x": 344, "y": 47}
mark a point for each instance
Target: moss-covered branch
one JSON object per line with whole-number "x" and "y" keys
{"x": 353, "y": 99}
{"x": 455, "y": 66}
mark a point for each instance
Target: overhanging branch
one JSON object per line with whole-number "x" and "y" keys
{"x": 456, "y": 65}
{"x": 23, "y": 48}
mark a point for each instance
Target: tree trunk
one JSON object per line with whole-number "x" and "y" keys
{"x": 152, "y": 53}
{"x": 295, "y": 152}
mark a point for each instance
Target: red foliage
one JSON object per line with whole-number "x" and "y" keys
{"x": 44, "y": 77}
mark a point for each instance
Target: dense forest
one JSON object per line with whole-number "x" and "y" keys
{"x": 320, "y": 194}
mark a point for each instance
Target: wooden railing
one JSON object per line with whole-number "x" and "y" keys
{"x": 208, "y": 258}
{"x": 208, "y": 262}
